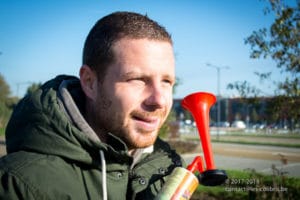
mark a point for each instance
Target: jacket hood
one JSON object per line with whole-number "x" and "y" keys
{"x": 40, "y": 123}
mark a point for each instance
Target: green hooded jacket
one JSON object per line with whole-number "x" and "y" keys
{"x": 54, "y": 154}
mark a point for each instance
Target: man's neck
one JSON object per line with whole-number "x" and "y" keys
{"x": 90, "y": 118}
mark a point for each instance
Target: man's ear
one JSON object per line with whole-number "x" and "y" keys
{"x": 88, "y": 81}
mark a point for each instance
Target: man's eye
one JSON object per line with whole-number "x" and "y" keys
{"x": 168, "y": 81}
{"x": 136, "y": 80}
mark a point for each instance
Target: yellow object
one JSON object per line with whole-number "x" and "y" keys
{"x": 180, "y": 185}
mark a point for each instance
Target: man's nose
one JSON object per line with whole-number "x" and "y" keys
{"x": 157, "y": 97}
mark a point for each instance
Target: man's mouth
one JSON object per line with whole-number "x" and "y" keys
{"x": 147, "y": 123}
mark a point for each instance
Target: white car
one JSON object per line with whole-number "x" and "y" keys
{"x": 238, "y": 124}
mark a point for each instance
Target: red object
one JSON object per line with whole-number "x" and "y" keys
{"x": 197, "y": 164}
{"x": 199, "y": 105}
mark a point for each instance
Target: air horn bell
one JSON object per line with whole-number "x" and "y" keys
{"x": 198, "y": 104}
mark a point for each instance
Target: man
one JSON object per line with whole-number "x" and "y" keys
{"x": 96, "y": 137}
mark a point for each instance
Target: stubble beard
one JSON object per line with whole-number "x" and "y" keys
{"x": 109, "y": 121}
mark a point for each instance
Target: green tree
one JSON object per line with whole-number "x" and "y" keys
{"x": 6, "y": 102}
{"x": 281, "y": 43}
{"x": 4, "y": 89}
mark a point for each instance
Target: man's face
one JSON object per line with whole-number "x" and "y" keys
{"x": 135, "y": 97}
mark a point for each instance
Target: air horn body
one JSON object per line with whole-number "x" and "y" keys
{"x": 183, "y": 182}
{"x": 199, "y": 104}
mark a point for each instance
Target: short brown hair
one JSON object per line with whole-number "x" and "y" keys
{"x": 97, "y": 52}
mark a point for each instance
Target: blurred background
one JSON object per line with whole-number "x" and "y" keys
{"x": 246, "y": 52}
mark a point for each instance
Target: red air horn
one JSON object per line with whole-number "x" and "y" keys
{"x": 199, "y": 105}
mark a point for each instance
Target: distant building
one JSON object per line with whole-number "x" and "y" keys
{"x": 232, "y": 109}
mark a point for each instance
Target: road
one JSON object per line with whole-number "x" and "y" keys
{"x": 259, "y": 158}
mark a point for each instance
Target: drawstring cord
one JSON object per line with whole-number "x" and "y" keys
{"x": 104, "y": 185}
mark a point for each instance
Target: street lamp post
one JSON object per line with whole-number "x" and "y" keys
{"x": 219, "y": 94}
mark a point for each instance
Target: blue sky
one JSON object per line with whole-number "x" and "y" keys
{"x": 41, "y": 39}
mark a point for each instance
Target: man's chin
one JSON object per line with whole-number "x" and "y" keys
{"x": 141, "y": 143}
